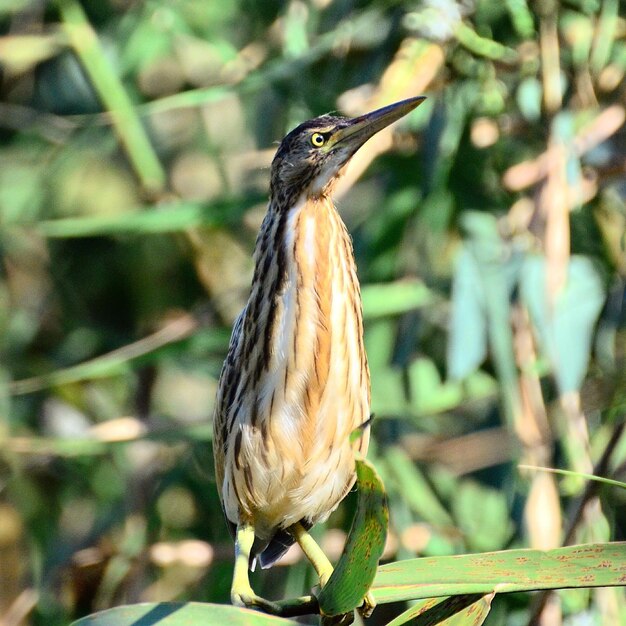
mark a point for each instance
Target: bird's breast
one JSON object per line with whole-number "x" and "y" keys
{"x": 314, "y": 389}
{"x": 320, "y": 377}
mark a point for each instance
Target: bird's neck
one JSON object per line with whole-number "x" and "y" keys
{"x": 305, "y": 264}
{"x": 307, "y": 240}
{"x": 320, "y": 244}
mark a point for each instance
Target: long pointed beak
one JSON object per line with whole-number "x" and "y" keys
{"x": 359, "y": 129}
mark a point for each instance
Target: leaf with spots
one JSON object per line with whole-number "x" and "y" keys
{"x": 463, "y": 610}
{"x": 356, "y": 569}
{"x": 589, "y": 565}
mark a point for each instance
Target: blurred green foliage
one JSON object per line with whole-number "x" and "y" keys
{"x": 135, "y": 141}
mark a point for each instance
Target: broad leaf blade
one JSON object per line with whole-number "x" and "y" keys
{"x": 418, "y": 492}
{"x": 356, "y": 569}
{"x": 380, "y": 300}
{"x": 467, "y": 340}
{"x": 180, "y": 614}
{"x": 465, "y": 610}
{"x": 574, "y": 315}
{"x": 591, "y": 565}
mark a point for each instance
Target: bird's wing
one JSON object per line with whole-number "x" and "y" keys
{"x": 229, "y": 379}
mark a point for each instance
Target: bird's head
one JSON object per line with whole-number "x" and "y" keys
{"x": 311, "y": 156}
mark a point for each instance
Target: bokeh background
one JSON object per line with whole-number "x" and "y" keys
{"x": 489, "y": 230}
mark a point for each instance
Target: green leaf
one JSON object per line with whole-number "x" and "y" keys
{"x": 427, "y": 394}
{"x": 394, "y": 298}
{"x": 529, "y": 95}
{"x": 467, "y": 340}
{"x": 114, "y": 97}
{"x": 171, "y": 217}
{"x": 296, "y": 41}
{"x": 566, "y": 329}
{"x": 418, "y": 492}
{"x": 590, "y": 565}
{"x": 482, "y": 46}
{"x": 562, "y": 472}
{"x": 180, "y": 614}
{"x": 8, "y": 6}
{"x": 465, "y": 610}
{"x": 499, "y": 271}
{"x": 522, "y": 18}
{"x": 118, "y": 362}
{"x": 605, "y": 35}
{"x": 353, "y": 575}
{"x": 482, "y": 516}
{"x": 21, "y": 53}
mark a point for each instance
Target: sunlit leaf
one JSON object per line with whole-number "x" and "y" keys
{"x": 418, "y": 491}
{"x": 482, "y": 514}
{"x": 566, "y": 331}
{"x": 118, "y": 361}
{"x": 103, "y": 77}
{"x": 522, "y": 17}
{"x": 590, "y": 565}
{"x": 394, "y": 298}
{"x": 464, "y": 610}
{"x": 172, "y": 217}
{"x": 563, "y": 472}
{"x": 605, "y": 35}
{"x": 427, "y": 393}
{"x": 21, "y": 53}
{"x": 482, "y": 45}
{"x": 467, "y": 337}
{"x": 9, "y": 6}
{"x": 295, "y": 32}
{"x": 529, "y": 95}
{"x": 180, "y": 614}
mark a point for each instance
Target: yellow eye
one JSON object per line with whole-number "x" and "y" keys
{"x": 318, "y": 140}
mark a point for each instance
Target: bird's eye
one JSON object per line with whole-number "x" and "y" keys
{"x": 318, "y": 140}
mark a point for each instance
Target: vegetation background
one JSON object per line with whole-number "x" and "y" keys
{"x": 489, "y": 229}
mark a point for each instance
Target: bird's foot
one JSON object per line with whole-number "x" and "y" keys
{"x": 368, "y": 606}
{"x": 344, "y": 619}
{"x": 304, "y": 605}
{"x": 245, "y": 597}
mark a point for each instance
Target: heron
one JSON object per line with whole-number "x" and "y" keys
{"x": 295, "y": 383}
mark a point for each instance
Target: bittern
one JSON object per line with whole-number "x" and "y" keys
{"x": 295, "y": 383}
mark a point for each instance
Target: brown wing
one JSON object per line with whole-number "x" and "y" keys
{"x": 226, "y": 387}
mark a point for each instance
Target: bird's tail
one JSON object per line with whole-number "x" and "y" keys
{"x": 277, "y": 546}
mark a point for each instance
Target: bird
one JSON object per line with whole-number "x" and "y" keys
{"x": 295, "y": 383}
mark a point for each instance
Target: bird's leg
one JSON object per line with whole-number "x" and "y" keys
{"x": 323, "y": 566}
{"x": 241, "y": 593}
{"x": 313, "y": 552}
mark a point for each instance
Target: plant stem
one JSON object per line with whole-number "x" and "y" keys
{"x": 113, "y": 96}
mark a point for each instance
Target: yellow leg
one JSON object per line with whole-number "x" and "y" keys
{"x": 313, "y": 552}
{"x": 241, "y": 593}
{"x": 323, "y": 566}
